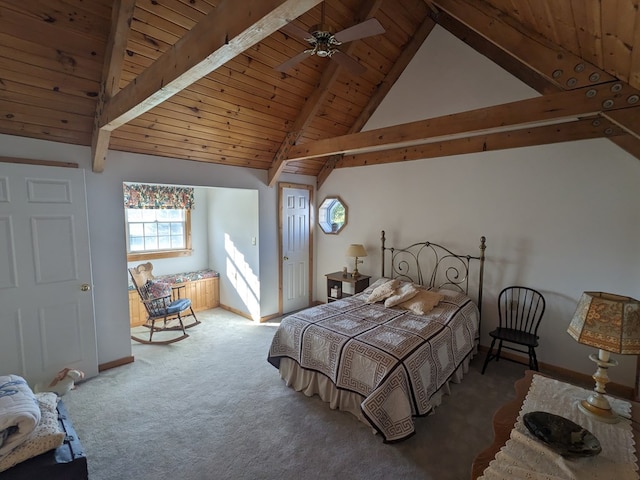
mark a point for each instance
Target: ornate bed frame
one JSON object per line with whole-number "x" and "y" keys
{"x": 384, "y": 365}
{"x": 448, "y": 269}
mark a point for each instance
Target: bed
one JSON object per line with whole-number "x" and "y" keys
{"x": 387, "y": 364}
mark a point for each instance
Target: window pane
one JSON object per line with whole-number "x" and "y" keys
{"x": 177, "y": 229}
{"x": 148, "y": 215}
{"x": 164, "y": 242}
{"x": 151, "y": 243}
{"x": 170, "y": 214}
{"x": 150, "y": 229}
{"x": 134, "y": 215}
{"x": 162, "y": 215}
{"x": 164, "y": 229}
{"x": 177, "y": 241}
{"x": 136, "y": 244}
{"x": 337, "y": 213}
{"x": 136, "y": 230}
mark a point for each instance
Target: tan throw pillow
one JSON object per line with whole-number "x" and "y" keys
{"x": 376, "y": 284}
{"x": 383, "y": 291}
{"x": 404, "y": 293}
{"x": 423, "y": 302}
{"x": 45, "y": 437}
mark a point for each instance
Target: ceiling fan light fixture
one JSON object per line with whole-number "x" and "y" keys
{"x": 323, "y": 41}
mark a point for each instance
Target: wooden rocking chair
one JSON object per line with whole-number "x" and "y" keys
{"x": 162, "y": 302}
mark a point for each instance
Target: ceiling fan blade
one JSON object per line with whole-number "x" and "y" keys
{"x": 292, "y": 61}
{"x": 349, "y": 63}
{"x": 368, "y": 28}
{"x": 294, "y": 31}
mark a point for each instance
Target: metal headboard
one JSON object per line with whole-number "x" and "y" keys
{"x": 448, "y": 269}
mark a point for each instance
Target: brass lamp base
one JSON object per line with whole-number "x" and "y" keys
{"x": 606, "y": 415}
{"x": 356, "y": 273}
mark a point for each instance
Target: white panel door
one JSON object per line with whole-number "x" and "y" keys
{"x": 47, "y": 317}
{"x": 295, "y": 249}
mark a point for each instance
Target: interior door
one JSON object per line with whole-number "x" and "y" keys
{"x": 295, "y": 247}
{"x": 47, "y": 317}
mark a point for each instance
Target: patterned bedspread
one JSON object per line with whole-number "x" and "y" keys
{"x": 395, "y": 359}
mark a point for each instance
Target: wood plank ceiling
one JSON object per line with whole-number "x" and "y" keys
{"x": 195, "y": 80}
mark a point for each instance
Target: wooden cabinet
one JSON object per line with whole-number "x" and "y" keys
{"x": 204, "y": 294}
{"x": 337, "y": 280}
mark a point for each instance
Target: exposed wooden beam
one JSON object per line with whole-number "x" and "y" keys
{"x": 496, "y": 36}
{"x": 224, "y": 33}
{"x": 558, "y": 65}
{"x": 382, "y": 90}
{"x": 627, "y": 118}
{"x": 121, "y": 14}
{"x": 317, "y": 98}
{"x": 564, "y": 132}
{"x": 628, "y": 143}
{"x": 553, "y": 108}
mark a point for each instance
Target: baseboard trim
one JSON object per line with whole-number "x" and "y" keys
{"x": 115, "y": 363}
{"x": 569, "y": 376}
{"x": 270, "y": 317}
{"x": 236, "y": 311}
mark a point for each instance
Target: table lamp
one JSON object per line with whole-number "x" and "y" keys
{"x": 356, "y": 250}
{"x": 610, "y": 323}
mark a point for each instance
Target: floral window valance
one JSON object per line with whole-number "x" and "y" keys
{"x": 158, "y": 196}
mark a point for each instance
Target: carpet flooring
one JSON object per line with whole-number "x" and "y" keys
{"x": 212, "y": 407}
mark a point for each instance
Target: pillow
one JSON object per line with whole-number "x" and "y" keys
{"x": 46, "y": 436}
{"x": 405, "y": 292}
{"x": 376, "y": 284}
{"x": 423, "y": 302}
{"x": 383, "y": 291}
{"x": 159, "y": 289}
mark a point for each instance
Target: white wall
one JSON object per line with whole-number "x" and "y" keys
{"x": 106, "y": 223}
{"x": 233, "y": 227}
{"x": 560, "y": 218}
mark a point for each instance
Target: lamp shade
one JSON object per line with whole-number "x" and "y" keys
{"x": 608, "y": 322}
{"x": 356, "y": 250}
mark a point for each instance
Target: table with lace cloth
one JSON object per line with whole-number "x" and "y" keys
{"x": 523, "y": 456}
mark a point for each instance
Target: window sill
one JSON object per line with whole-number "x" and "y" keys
{"x": 135, "y": 257}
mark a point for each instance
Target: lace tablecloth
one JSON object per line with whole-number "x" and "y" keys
{"x": 525, "y": 457}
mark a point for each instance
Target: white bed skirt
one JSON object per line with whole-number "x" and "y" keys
{"x": 312, "y": 383}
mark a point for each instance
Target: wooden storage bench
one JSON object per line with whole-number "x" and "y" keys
{"x": 202, "y": 287}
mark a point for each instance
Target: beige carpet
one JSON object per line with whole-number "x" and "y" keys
{"x": 211, "y": 407}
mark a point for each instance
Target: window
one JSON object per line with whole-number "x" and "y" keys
{"x": 155, "y": 229}
{"x": 157, "y": 233}
{"x": 158, "y": 221}
{"x": 332, "y": 215}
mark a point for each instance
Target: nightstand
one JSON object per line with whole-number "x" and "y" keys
{"x": 337, "y": 279}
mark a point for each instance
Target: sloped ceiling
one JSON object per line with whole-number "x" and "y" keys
{"x": 195, "y": 80}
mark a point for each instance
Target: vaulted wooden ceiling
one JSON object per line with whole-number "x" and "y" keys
{"x": 195, "y": 80}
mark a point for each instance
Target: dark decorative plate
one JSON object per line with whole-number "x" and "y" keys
{"x": 562, "y": 435}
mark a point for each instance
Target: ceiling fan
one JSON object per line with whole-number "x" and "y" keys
{"x": 324, "y": 42}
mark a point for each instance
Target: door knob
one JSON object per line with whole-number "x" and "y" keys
{"x": 85, "y": 287}
{"x": 286, "y": 258}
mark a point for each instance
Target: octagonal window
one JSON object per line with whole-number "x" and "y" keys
{"x": 332, "y": 215}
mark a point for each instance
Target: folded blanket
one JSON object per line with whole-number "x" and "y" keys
{"x": 19, "y": 412}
